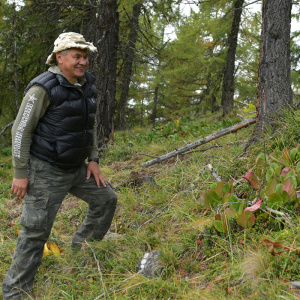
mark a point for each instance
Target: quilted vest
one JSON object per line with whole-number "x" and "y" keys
{"x": 64, "y": 135}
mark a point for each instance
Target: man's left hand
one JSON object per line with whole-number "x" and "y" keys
{"x": 93, "y": 168}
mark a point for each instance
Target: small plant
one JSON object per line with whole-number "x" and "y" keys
{"x": 276, "y": 180}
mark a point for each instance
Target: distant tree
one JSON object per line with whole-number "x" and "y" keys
{"x": 274, "y": 81}
{"x": 128, "y": 58}
{"x": 228, "y": 79}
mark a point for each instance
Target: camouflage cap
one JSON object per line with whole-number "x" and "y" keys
{"x": 66, "y": 41}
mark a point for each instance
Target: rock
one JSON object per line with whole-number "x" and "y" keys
{"x": 112, "y": 235}
{"x": 295, "y": 284}
{"x": 149, "y": 265}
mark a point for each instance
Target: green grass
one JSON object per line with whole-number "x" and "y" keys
{"x": 198, "y": 262}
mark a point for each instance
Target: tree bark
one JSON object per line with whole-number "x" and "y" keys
{"x": 228, "y": 79}
{"x": 274, "y": 76}
{"x": 105, "y": 67}
{"x": 200, "y": 142}
{"x": 129, "y": 57}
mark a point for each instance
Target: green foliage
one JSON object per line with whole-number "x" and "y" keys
{"x": 6, "y": 151}
{"x": 176, "y": 130}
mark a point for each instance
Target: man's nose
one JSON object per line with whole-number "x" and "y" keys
{"x": 83, "y": 61}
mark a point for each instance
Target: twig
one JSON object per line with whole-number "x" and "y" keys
{"x": 177, "y": 158}
{"x": 5, "y": 189}
{"x": 154, "y": 156}
{"x": 241, "y": 116}
{"x": 98, "y": 265}
{"x": 202, "y": 150}
{"x": 280, "y": 213}
{"x": 213, "y": 173}
{"x": 5, "y": 127}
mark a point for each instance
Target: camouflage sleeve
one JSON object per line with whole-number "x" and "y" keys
{"x": 33, "y": 107}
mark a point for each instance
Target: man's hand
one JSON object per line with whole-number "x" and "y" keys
{"x": 93, "y": 168}
{"x": 19, "y": 186}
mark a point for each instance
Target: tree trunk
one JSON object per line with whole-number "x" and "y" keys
{"x": 128, "y": 58}
{"x": 274, "y": 75}
{"x": 228, "y": 79}
{"x": 214, "y": 103}
{"x": 153, "y": 115}
{"x": 15, "y": 61}
{"x": 105, "y": 67}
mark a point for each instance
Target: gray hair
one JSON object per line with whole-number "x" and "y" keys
{"x": 64, "y": 52}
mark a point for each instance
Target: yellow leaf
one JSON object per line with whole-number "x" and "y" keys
{"x": 17, "y": 232}
{"x": 46, "y": 250}
{"x": 251, "y": 106}
{"x": 54, "y": 249}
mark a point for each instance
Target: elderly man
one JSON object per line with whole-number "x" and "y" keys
{"x": 53, "y": 135}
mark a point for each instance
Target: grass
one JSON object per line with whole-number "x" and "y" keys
{"x": 198, "y": 262}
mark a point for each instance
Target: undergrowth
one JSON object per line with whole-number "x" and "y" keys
{"x": 198, "y": 261}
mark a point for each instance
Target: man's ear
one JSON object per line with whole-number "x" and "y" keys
{"x": 58, "y": 57}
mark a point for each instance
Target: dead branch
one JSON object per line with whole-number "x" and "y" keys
{"x": 202, "y": 150}
{"x": 213, "y": 172}
{"x": 5, "y": 127}
{"x": 279, "y": 213}
{"x": 155, "y": 156}
{"x": 241, "y": 116}
{"x": 202, "y": 141}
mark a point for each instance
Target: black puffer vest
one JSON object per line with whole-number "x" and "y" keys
{"x": 64, "y": 135}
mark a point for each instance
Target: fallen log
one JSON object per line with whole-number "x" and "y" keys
{"x": 200, "y": 142}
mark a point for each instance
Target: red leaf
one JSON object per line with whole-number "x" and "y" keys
{"x": 285, "y": 171}
{"x": 254, "y": 207}
{"x": 250, "y": 176}
{"x": 288, "y": 186}
{"x": 271, "y": 155}
{"x": 218, "y": 217}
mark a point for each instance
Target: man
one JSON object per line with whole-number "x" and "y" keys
{"x": 53, "y": 135}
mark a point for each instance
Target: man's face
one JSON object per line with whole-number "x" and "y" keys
{"x": 73, "y": 64}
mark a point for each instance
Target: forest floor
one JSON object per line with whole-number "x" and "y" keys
{"x": 178, "y": 208}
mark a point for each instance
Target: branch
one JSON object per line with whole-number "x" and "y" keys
{"x": 5, "y": 127}
{"x": 155, "y": 156}
{"x": 202, "y": 141}
{"x": 202, "y": 150}
{"x": 213, "y": 172}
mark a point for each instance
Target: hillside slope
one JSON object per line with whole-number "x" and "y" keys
{"x": 164, "y": 208}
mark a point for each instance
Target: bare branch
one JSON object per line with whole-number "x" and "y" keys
{"x": 5, "y": 127}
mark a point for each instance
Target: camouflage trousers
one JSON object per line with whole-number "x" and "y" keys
{"x": 48, "y": 186}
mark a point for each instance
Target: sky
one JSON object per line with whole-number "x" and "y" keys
{"x": 255, "y": 6}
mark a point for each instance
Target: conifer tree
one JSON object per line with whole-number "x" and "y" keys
{"x": 274, "y": 80}
{"x": 228, "y": 79}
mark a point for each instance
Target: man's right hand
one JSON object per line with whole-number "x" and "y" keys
{"x": 19, "y": 186}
